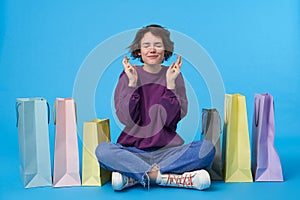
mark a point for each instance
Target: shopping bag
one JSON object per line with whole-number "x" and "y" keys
{"x": 94, "y": 133}
{"x": 237, "y": 164}
{"x": 33, "y": 135}
{"x": 66, "y": 158}
{"x": 211, "y": 131}
{"x": 266, "y": 164}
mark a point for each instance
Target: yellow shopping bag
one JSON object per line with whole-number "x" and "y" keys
{"x": 94, "y": 132}
{"x": 236, "y": 144}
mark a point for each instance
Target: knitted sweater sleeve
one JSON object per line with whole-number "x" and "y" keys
{"x": 175, "y": 104}
{"x": 127, "y": 100}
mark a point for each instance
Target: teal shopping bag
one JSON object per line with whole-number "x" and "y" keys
{"x": 33, "y": 135}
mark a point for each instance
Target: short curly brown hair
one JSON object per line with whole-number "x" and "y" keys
{"x": 157, "y": 30}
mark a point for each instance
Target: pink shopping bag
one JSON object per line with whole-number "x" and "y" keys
{"x": 66, "y": 158}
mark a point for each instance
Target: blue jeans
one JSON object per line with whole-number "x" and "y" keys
{"x": 135, "y": 163}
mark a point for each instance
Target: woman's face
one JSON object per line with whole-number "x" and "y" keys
{"x": 152, "y": 49}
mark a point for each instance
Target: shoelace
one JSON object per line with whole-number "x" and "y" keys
{"x": 181, "y": 180}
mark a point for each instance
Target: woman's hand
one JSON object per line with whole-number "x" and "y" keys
{"x": 173, "y": 72}
{"x": 130, "y": 72}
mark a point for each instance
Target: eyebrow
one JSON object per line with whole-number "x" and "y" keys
{"x": 149, "y": 43}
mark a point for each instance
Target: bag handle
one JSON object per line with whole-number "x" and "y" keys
{"x": 256, "y": 111}
{"x": 54, "y": 113}
{"x": 75, "y": 108}
{"x": 220, "y": 123}
{"x": 226, "y": 110}
{"x": 48, "y": 111}
{"x": 202, "y": 121}
{"x": 17, "y": 112}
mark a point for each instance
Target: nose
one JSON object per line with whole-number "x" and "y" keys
{"x": 152, "y": 49}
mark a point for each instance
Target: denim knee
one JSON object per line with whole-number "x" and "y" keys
{"x": 103, "y": 151}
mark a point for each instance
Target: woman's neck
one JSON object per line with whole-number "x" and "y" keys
{"x": 154, "y": 69}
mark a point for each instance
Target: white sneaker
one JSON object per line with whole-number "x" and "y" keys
{"x": 199, "y": 180}
{"x": 119, "y": 181}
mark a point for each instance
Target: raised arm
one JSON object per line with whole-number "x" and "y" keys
{"x": 126, "y": 95}
{"x": 175, "y": 103}
{"x": 174, "y": 99}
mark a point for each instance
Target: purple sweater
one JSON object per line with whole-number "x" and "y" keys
{"x": 150, "y": 111}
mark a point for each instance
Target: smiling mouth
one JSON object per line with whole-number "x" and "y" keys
{"x": 153, "y": 56}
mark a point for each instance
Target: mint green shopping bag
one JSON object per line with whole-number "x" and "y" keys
{"x": 33, "y": 136}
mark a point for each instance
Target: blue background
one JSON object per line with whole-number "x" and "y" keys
{"x": 255, "y": 45}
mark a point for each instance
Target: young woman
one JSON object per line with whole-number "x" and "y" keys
{"x": 150, "y": 100}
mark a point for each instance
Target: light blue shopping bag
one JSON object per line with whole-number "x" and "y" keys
{"x": 33, "y": 135}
